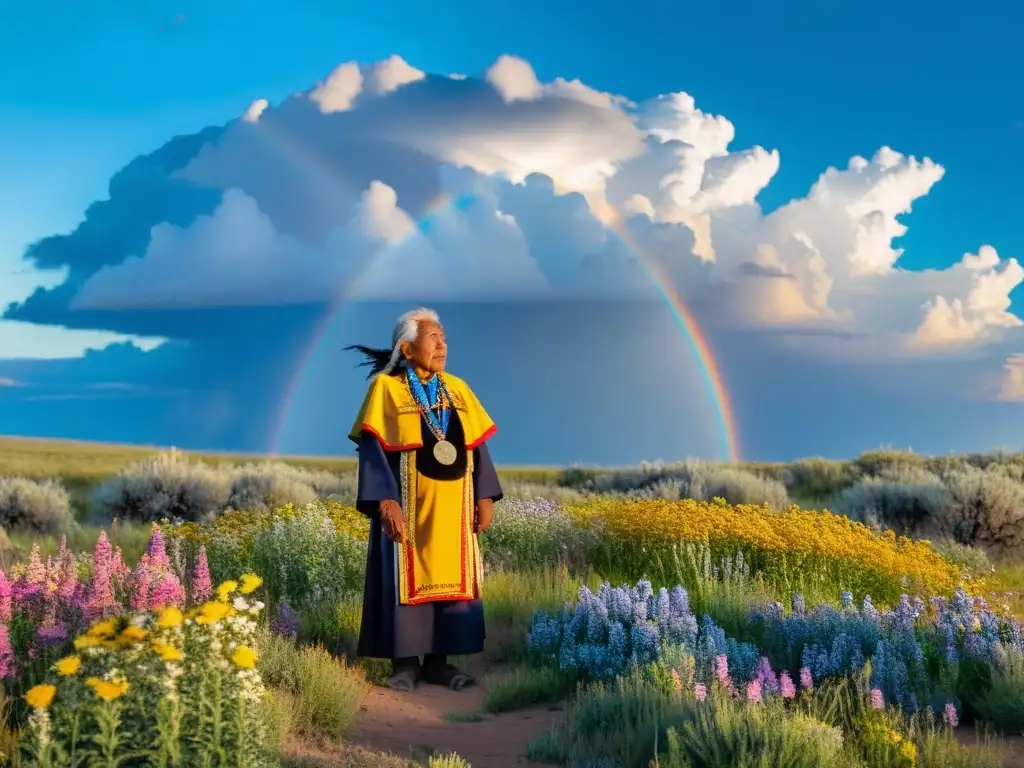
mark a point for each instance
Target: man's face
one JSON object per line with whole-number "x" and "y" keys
{"x": 430, "y": 351}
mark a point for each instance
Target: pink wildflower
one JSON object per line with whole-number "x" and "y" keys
{"x": 722, "y": 669}
{"x": 100, "y": 599}
{"x": 5, "y": 598}
{"x": 8, "y": 663}
{"x": 877, "y": 699}
{"x": 950, "y": 716}
{"x": 119, "y": 571}
{"x": 157, "y": 549}
{"x": 67, "y": 573}
{"x": 167, "y": 592}
{"x": 700, "y": 691}
{"x": 754, "y": 691}
{"x": 140, "y": 585}
{"x": 786, "y": 686}
{"x": 202, "y": 585}
{"x": 36, "y": 572}
{"x": 806, "y": 681}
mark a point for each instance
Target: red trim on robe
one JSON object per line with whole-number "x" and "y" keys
{"x": 483, "y": 438}
{"x": 384, "y": 444}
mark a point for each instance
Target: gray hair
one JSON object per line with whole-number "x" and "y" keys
{"x": 407, "y": 328}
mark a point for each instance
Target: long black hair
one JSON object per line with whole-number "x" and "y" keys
{"x": 376, "y": 360}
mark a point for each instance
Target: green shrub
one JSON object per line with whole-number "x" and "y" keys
{"x": 1001, "y": 702}
{"x": 691, "y": 480}
{"x": 724, "y": 733}
{"x": 308, "y": 560}
{"x": 270, "y": 485}
{"x": 817, "y": 479}
{"x": 34, "y": 506}
{"x": 166, "y": 486}
{"x": 986, "y": 509}
{"x": 534, "y": 533}
{"x": 323, "y": 694}
{"x": 906, "y": 507}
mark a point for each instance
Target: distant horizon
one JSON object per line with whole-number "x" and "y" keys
{"x": 327, "y": 456}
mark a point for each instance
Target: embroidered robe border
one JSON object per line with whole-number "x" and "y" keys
{"x": 409, "y": 591}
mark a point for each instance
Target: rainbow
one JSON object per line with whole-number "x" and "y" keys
{"x": 710, "y": 371}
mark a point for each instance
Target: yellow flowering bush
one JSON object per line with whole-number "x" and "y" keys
{"x": 157, "y": 689}
{"x": 793, "y": 548}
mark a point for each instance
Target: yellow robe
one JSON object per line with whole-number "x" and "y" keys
{"x": 441, "y": 557}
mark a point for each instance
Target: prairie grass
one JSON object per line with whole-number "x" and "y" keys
{"x": 527, "y": 686}
{"x": 322, "y": 694}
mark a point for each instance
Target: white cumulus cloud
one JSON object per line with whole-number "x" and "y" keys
{"x": 384, "y": 181}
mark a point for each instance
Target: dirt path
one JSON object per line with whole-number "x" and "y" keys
{"x": 433, "y": 720}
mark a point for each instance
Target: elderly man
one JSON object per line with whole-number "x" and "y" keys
{"x": 427, "y": 482}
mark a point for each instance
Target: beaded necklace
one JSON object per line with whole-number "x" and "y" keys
{"x": 429, "y": 398}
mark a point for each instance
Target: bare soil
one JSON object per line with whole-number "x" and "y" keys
{"x": 433, "y": 720}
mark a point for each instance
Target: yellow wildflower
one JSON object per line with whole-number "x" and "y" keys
{"x": 167, "y": 652}
{"x": 134, "y": 634}
{"x": 250, "y": 583}
{"x": 224, "y": 590}
{"x": 87, "y": 641}
{"x": 213, "y": 612}
{"x": 244, "y": 657}
{"x": 41, "y": 696}
{"x": 896, "y": 738}
{"x": 107, "y": 690}
{"x": 169, "y": 618}
{"x": 909, "y": 752}
{"x": 69, "y": 665}
{"x": 104, "y": 628}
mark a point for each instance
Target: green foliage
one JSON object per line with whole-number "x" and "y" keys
{"x": 1001, "y": 701}
{"x": 309, "y": 560}
{"x": 451, "y": 760}
{"x": 526, "y": 686}
{"x": 323, "y": 694}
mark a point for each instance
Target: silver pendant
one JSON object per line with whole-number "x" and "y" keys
{"x": 444, "y": 452}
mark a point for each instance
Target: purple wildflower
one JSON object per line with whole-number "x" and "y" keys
{"x": 52, "y": 635}
{"x": 286, "y": 622}
{"x": 700, "y": 691}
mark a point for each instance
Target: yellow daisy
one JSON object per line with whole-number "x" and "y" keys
{"x": 41, "y": 696}
{"x": 244, "y": 657}
{"x": 250, "y": 583}
{"x": 69, "y": 665}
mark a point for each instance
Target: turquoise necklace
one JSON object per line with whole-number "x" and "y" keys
{"x": 429, "y": 399}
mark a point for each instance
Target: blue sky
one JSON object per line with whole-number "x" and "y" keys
{"x": 91, "y": 86}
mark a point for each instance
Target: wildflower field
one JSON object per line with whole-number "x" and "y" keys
{"x": 176, "y": 611}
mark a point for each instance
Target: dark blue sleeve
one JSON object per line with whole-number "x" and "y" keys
{"x": 485, "y": 476}
{"x": 376, "y": 480}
